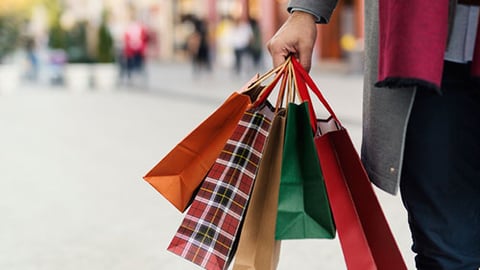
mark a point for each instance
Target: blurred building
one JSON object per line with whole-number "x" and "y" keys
{"x": 168, "y": 30}
{"x": 347, "y": 19}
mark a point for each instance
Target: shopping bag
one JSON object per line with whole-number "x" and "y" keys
{"x": 208, "y": 232}
{"x": 257, "y": 248}
{"x": 303, "y": 207}
{"x": 178, "y": 175}
{"x": 364, "y": 233}
{"x": 212, "y": 221}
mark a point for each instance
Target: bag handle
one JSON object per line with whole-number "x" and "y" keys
{"x": 292, "y": 89}
{"x": 265, "y": 76}
{"x": 281, "y": 93}
{"x": 280, "y": 70}
{"x": 303, "y": 94}
{"x": 303, "y": 80}
{"x": 291, "y": 92}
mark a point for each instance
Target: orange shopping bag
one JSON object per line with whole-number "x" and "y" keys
{"x": 178, "y": 175}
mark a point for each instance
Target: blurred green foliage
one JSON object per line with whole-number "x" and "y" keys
{"x": 105, "y": 50}
{"x": 9, "y": 34}
{"x": 74, "y": 40}
{"x": 15, "y": 14}
{"x": 77, "y": 49}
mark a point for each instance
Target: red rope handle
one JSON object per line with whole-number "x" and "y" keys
{"x": 302, "y": 81}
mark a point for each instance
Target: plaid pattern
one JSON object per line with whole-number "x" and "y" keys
{"x": 208, "y": 231}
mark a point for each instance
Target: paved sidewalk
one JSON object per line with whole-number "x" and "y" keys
{"x": 71, "y": 161}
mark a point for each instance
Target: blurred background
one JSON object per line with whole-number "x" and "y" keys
{"x": 93, "y": 93}
{"x": 46, "y": 40}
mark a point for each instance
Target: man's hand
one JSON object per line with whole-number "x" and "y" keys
{"x": 297, "y": 37}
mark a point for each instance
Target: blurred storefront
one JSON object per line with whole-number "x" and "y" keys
{"x": 346, "y": 21}
{"x": 168, "y": 27}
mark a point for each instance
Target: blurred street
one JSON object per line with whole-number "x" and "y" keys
{"x": 72, "y": 159}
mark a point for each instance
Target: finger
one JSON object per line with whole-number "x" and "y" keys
{"x": 275, "y": 53}
{"x": 305, "y": 58}
{"x": 278, "y": 56}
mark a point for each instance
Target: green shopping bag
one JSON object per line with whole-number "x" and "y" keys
{"x": 303, "y": 206}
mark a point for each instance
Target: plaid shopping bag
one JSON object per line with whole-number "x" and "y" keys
{"x": 208, "y": 232}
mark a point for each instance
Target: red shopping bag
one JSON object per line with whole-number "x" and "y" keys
{"x": 364, "y": 233}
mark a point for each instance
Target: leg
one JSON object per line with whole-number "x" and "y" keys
{"x": 441, "y": 174}
{"x": 238, "y": 60}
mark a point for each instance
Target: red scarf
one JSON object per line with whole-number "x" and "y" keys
{"x": 413, "y": 40}
{"x": 476, "y": 55}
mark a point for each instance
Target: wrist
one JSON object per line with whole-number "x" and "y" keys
{"x": 304, "y": 15}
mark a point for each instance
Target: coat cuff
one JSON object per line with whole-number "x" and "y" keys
{"x": 322, "y": 10}
{"x": 317, "y": 18}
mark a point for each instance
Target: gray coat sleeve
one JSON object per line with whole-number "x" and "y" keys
{"x": 322, "y": 9}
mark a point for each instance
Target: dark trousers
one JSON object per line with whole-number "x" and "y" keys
{"x": 440, "y": 183}
{"x": 239, "y": 52}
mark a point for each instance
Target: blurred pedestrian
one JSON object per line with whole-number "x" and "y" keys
{"x": 198, "y": 47}
{"x": 256, "y": 45}
{"x": 135, "y": 46}
{"x": 57, "y": 61}
{"x": 31, "y": 73}
{"x": 421, "y": 119}
{"x": 241, "y": 38}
